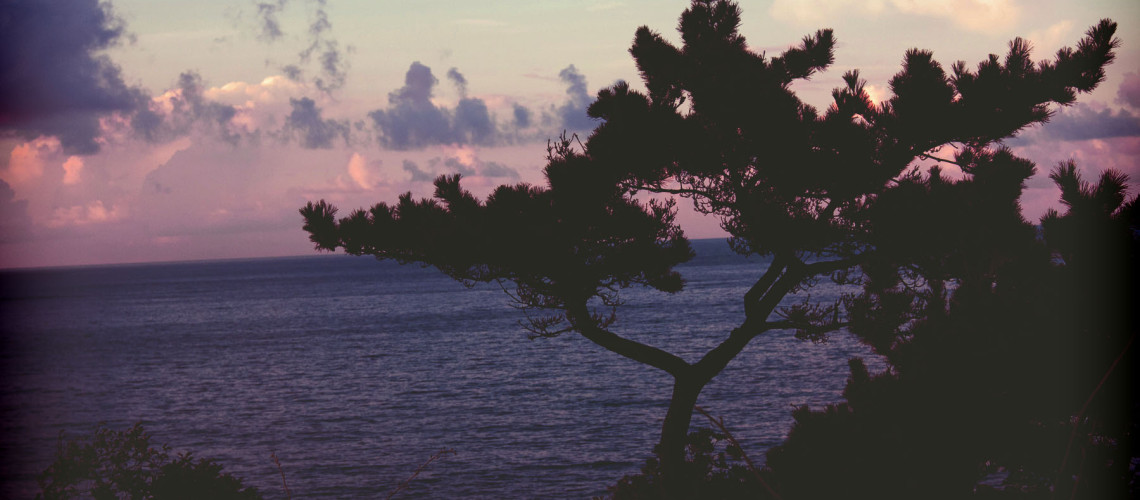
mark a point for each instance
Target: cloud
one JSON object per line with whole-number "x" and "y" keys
{"x": 80, "y": 215}
{"x": 311, "y": 130}
{"x": 26, "y": 161}
{"x": 360, "y": 172}
{"x": 973, "y": 15}
{"x": 573, "y": 112}
{"x": 14, "y": 218}
{"x": 1092, "y": 157}
{"x": 1053, "y": 37}
{"x": 465, "y": 161}
{"x": 459, "y": 80}
{"x": 473, "y": 123}
{"x": 1083, "y": 122}
{"x": 522, "y": 115}
{"x": 211, "y": 187}
{"x": 72, "y": 170}
{"x": 453, "y": 165}
{"x": 177, "y": 112}
{"x": 54, "y": 82}
{"x": 293, "y": 72}
{"x": 495, "y": 169}
{"x": 1129, "y": 91}
{"x": 267, "y": 17}
{"x": 460, "y": 160}
{"x": 332, "y": 65}
{"x": 418, "y": 174}
{"x": 412, "y": 120}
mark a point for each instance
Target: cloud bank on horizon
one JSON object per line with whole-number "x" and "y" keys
{"x": 96, "y": 168}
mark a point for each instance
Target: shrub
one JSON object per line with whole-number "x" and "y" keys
{"x": 122, "y": 464}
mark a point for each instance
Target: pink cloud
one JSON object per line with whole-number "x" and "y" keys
{"x": 93, "y": 213}
{"x": 1092, "y": 157}
{"x": 1129, "y": 91}
{"x": 72, "y": 170}
{"x": 26, "y": 162}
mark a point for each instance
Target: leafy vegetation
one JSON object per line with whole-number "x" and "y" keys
{"x": 124, "y": 465}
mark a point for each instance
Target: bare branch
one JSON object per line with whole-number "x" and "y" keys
{"x": 586, "y": 324}
{"x": 435, "y": 456}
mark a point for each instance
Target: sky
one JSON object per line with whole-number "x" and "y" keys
{"x": 162, "y": 130}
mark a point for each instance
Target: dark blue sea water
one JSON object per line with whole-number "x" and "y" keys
{"x": 355, "y": 371}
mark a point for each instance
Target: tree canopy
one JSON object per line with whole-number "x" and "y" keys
{"x": 821, "y": 193}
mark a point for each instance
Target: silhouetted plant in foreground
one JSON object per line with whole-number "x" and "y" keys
{"x": 123, "y": 464}
{"x": 1008, "y": 353}
{"x": 1011, "y": 360}
{"x": 713, "y": 468}
{"x": 721, "y": 126}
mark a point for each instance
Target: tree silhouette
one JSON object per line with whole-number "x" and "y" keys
{"x": 112, "y": 464}
{"x": 1008, "y": 352}
{"x": 720, "y": 126}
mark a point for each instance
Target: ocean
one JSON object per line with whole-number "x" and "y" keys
{"x": 355, "y": 371}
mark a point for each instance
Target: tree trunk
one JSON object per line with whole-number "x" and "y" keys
{"x": 674, "y": 432}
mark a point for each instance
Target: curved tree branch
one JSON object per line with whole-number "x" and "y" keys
{"x": 584, "y": 323}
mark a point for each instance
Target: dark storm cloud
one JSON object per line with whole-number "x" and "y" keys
{"x": 306, "y": 125}
{"x": 573, "y": 112}
{"x": 52, "y": 82}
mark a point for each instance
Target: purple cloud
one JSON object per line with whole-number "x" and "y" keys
{"x": 412, "y": 120}
{"x": 312, "y": 131}
{"x": 54, "y": 82}
{"x": 14, "y": 218}
{"x": 459, "y": 80}
{"x": 573, "y": 112}
{"x": 332, "y": 65}
{"x": 267, "y": 16}
{"x": 1129, "y": 91}
{"x": 189, "y": 108}
{"x": 1082, "y": 122}
{"x": 522, "y": 115}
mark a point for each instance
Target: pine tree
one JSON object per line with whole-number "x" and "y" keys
{"x": 719, "y": 126}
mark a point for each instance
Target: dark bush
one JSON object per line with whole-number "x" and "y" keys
{"x": 122, "y": 464}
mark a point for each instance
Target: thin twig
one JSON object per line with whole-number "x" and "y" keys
{"x": 436, "y": 456}
{"x": 942, "y": 160}
{"x": 288, "y": 494}
{"x": 719, "y": 423}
